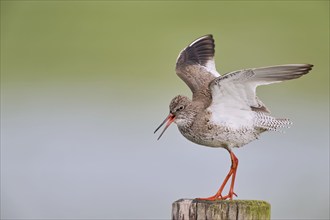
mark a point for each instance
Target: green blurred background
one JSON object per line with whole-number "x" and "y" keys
{"x": 84, "y": 84}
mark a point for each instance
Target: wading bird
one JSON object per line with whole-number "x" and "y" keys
{"x": 224, "y": 111}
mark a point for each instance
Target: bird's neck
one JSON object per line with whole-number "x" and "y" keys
{"x": 187, "y": 121}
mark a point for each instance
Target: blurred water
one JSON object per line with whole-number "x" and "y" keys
{"x": 96, "y": 159}
{"x": 84, "y": 85}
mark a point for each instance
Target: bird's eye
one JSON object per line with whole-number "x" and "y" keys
{"x": 180, "y": 108}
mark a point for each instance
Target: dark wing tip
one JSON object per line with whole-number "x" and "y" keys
{"x": 303, "y": 69}
{"x": 282, "y": 72}
{"x": 309, "y": 67}
{"x": 199, "y": 51}
{"x": 305, "y": 66}
{"x": 202, "y": 39}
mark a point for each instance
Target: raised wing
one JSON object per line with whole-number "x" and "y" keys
{"x": 195, "y": 65}
{"x": 235, "y": 92}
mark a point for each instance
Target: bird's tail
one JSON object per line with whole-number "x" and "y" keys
{"x": 270, "y": 123}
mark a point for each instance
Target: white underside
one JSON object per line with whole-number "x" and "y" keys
{"x": 232, "y": 118}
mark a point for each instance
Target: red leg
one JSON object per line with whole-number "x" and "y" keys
{"x": 232, "y": 174}
{"x": 234, "y": 167}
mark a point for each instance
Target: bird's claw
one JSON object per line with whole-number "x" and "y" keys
{"x": 219, "y": 197}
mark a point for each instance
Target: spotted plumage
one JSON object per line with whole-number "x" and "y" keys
{"x": 224, "y": 110}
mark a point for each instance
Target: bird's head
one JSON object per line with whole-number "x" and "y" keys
{"x": 180, "y": 113}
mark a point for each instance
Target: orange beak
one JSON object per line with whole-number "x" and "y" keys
{"x": 169, "y": 119}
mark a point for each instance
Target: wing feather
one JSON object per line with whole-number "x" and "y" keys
{"x": 195, "y": 65}
{"x": 235, "y": 92}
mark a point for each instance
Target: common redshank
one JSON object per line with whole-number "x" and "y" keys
{"x": 224, "y": 111}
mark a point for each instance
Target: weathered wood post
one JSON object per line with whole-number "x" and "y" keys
{"x": 186, "y": 209}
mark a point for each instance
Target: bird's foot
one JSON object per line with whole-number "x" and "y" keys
{"x": 211, "y": 198}
{"x": 229, "y": 196}
{"x": 219, "y": 197}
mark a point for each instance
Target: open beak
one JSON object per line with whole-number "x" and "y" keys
{"x": 170, "y": 118}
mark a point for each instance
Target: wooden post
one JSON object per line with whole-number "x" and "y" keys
{"x": 186, "y": 209}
